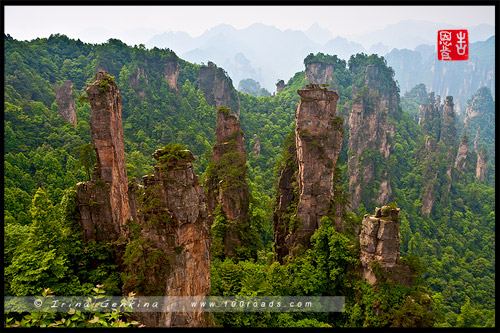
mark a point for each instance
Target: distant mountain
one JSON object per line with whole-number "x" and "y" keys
{"x": 459, "y": 79}
{"x": 266, "y": 54}
{"x": 318, "y": 34}
{"x": 408, "y": 34}
{"x": 342, "y": 48}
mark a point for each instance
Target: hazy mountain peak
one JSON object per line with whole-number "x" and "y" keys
{"x": 318, "y": 34}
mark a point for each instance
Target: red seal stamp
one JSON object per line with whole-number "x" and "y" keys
{"x": 453, "y": 45}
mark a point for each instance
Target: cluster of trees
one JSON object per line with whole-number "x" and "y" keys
{"x": 45, "y": 157}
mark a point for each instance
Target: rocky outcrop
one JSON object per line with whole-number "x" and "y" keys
{"x": 172, "y": 73}
{"x": 174, "y": 224}
{"x": 480, "y": 124}
{"x": 448, "y": 131}
{"x": 462, "y": 153}
{"x": 103, "y": 202}
{"x": 379, "y": 241}
{"x": 280, "y": 86}
{"x": 318, "y": 136}
{"x": 218, "y": 87}
{"x": 134, "y": 82}
{"x": 482, "y": 160}
{"x": 429, "y": 116}
{"x": 286, "y": 201}
{"x": 370, "y": 136}
{"x": 226, "y": 181}
{"x": 319, "y": 72}
{"x": 66, "y": 101}
{"x": 256, "y": 145}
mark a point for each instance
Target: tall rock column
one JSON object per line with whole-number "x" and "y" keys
{"x": 482, "y": 159}
{"x": 172, "y": 73}
{"x": 318, "y": 136}
{"x": 66, "y": 101}
{"x": 370, "y": 137}
{"x": 173, "y": 231}
{"x": 462, "y": 153}
{"x": 226, "y": 180}
{"x": 218, "y": 87}
{"x": 379, "y": 241}
{"x": 103, "y": 202}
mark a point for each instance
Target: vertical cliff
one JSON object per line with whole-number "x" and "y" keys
{"x": 169, "y": 249}
{"x": 482, "y": 159}
{"x": 256, "y": 145}
{"x": 218, "y": 87}
{"x": 463, "y": 149}
{"x": 287, "y": 198}
{"x": 279, "y": 86}
{"x": 172, "y": 73}
{"x": 370, "y": 135}
{"x": 439, "y": 153}
{"x": 318, "y": 134}
{"x": 480, "y": 124}
{"x": 306, "y": 184}
{"x": 103, "y": 202}
{"x": 319, "y": 72}
{"x": 66, "y": 101}
{"x": 379, "y": 240}
{"x": 228, "y": 195}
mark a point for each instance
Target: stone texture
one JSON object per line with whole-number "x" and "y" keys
{"x": 279, "y": 86}
{"x": 178, "y": 225}
{"x": 318, "y": 72}
{"x": 286, "y": 195}
{"x": 256, "y": 146}
{"x": 172, "y": 73}
{"x": 230, "y": 190}
{"x": 66, "y": 101}
{"x": 482, "y": 160}
{"x": 103, "y": 202}
{"x": 438, "y": 122}
{"x": 370, "y": 129}
{"x": 318, "y": 136}
{"x": 218, "y": 87}
{"x": 448, "y": 130}
{"x": 462, "y": 153}
{"x": 379, "y": 241}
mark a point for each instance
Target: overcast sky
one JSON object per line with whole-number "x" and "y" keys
{"x": 137, "y": 24}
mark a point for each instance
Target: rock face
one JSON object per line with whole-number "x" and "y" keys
{"x": 160, "y": 230}
{"x": 175, "y": 223}
{"x": 134, "y": 82}
{"x": 482, "y": 159}
{"x": 256, "y": 146}
{"x": 318, "y": 135}
{"x": 318, "y": 72}
{"x": 462, "y": 153}
{"x": 448, "y": 131}
{"x": 480, "y": 124}
{"x": 438, "y": 122}
{"x": 66, "y": 101}
{"x": 103, "y": 202}
{"x": 286, "y": 202}
{"x": 172, "y": 73}
{"x": 429, "y": 116}
{"x": 379, "y": 241}
{"x": 218, "y": 87}
{"x": 227, "y": 186}
{"x": 370, "y": 135}
{"x": 279, "y": 86}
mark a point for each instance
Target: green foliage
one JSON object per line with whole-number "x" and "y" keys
{"x": 43, "y": 246}
{"x": 145, "y": 265}
{"x": 73, "y": 318}
{"x": 86, "y": 157}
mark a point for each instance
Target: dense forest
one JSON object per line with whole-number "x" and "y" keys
{"x": 450, "y": 247}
